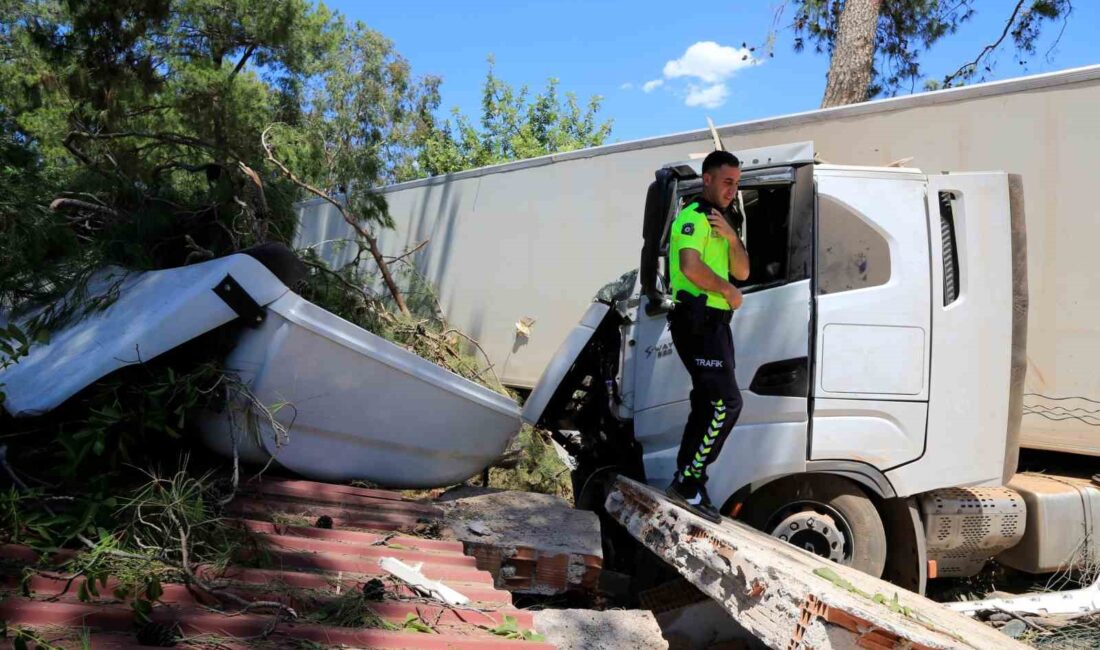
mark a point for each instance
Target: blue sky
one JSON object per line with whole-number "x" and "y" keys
{"x": 691, "y": 58}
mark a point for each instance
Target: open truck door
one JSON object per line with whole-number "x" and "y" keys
{"x": 771, "y": 331}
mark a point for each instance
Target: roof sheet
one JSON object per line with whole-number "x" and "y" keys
{"x": 306, "y": 567}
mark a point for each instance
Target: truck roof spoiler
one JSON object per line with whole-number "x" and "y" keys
{"x": 793, "y": 153}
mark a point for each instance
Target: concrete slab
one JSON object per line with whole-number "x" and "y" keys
{"x": 785, "y": 596}
{"x": 585, "y": 629}
{"x": 531, "y": 543}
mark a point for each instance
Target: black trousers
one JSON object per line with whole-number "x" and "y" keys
{"x": 705, "y": 344}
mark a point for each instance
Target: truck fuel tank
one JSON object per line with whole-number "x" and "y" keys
{"x": 1063, "y": 523}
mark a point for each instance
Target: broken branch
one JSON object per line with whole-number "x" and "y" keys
{"x": 387, "y": 277}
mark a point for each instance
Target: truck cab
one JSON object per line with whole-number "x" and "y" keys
{"x": 879, "y": 352}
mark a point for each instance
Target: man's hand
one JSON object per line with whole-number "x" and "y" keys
{"x": 703, "y": 277}
{"x": 719, "y": 224}
{"x": 733, "y": 296}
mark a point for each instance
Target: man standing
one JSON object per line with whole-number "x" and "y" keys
{"x": 705, "y": 253}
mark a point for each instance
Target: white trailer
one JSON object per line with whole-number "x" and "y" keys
{"x": 534, "y": 239}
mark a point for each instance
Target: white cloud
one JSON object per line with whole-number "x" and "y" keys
{"x": 705, "y": 68}
{"x": 709, "y": 62}
{"x": 626, "y": 86}
{"x": 711, "y": 96}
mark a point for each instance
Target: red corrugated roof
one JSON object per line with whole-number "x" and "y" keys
{"x": 311, "y": 564}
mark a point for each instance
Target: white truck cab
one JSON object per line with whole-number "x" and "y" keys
{"x": 880, "y": 355}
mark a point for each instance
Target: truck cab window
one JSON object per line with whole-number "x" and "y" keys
{"x": 765, "y": 232}
{"x": 851, "y": 253}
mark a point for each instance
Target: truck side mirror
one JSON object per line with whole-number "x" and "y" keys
{"x": 659, "y": 198}
{"x": 657, "y": 304}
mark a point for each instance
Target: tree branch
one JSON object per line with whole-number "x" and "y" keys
{"x": 480, "y": 349}
{"x": 408, "y": 252}
{"x": 349, "y": 218}
{"x": 962, "y": 71}
{"x": 244, "y": 57}
{"x": 339, "y": 278}
{"x": 60, "y": 204}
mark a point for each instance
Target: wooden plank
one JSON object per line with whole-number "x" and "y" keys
{"x": 787, "y": 597}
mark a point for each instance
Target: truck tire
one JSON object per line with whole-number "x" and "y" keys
{"x": 827, "y": 515}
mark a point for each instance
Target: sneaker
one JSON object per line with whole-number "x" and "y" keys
{"x": 694, "y": 500}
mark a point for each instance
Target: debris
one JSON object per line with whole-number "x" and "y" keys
{"x": 414, "y": 578}
{"x": 806, "y": 600}
{"x": 374, "y": 589}
{"x": 576, "y": 629}
{"x": 531, "y": 543}
{"x": 523, "y": 327}
{"x": 1014, "y": 629}
{"x": 478, "y": 528}
{"x": 703, "y": 624}
{"x": 1077, "y": 601}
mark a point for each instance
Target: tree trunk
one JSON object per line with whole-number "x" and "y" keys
{"x": 853, "y": 55}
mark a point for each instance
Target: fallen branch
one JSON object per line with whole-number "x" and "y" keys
{"x": 387, "y": 277}
{"x": 339, "y": 278}
{"x": 409, "y": 252}
{"x": 191, "y": 579}
{"x": 480, "y": 349}
{"x": 1027, "y": 622}
{"x": 384, "y": 540}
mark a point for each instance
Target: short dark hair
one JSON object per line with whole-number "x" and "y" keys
{"x": 716, "y": 159}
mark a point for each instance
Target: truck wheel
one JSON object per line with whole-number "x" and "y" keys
{"x": 826, "y": 515}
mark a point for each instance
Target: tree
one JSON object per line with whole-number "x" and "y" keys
{"x": 148, "y": 115}
{"x": 875, "y": 46}
{"x": 362, "y": 115}
{"x": 512, "y": 127}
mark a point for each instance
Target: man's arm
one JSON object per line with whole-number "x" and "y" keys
{"x": 739, "y": 257}
{"x": 693, "y": 268}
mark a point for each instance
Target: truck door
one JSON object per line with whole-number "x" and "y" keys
{"x": 873, "y": 324}
{"x": 771, "y": 335}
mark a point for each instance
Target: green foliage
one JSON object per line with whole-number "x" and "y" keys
{"x": 22, "y": 639}
{"x": 128, "y": 411}
{"x": 413, "y": 623}
{"x": 362, "y": 114}
{"x": 512, "y": 127}
{"x": 351, "y": 609}
{"x": 15, "y": 343}
{"x": 906, "y": 28}
{"x": 510, "y": 629}
{"x": 539, "y": 469}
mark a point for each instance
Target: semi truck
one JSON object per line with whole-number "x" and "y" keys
{"x": 905, "y": 330}
{"x": 543, "y": 232}
{"x": 881, "y": 358}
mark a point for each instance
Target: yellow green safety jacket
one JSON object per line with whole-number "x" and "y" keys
{"x": 692, "y": 230}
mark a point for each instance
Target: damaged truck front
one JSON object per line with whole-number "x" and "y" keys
{"x": 880, "y": 355}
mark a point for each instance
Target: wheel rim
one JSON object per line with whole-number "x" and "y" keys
{"x": 815, "y": 527}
